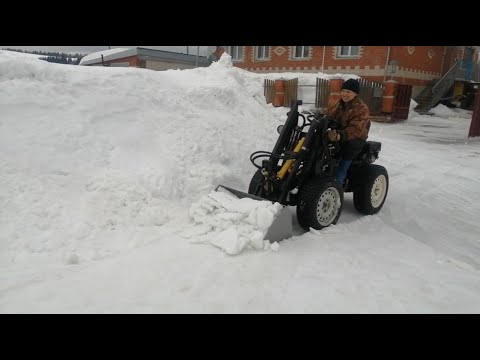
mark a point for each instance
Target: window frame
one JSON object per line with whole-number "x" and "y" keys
{"x": 349, "y": 55}
{"x": 304, "y": 56}
{"x": 266, "y": 55}
{"x": 229, "y": 50}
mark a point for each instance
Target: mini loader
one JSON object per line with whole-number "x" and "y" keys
{"x": 300, "y": 171}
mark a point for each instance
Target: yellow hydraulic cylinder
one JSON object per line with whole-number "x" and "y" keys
{"x": 287, "y": 165}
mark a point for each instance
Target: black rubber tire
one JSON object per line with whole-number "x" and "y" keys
{"x": 317, "y": 191}
{"x": 367, "y": 178}
{"x": 255, "y": 182}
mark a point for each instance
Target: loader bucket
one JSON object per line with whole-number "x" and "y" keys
{"x": 281, "y": 227}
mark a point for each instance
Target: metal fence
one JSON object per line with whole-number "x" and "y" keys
{"x": 401, "y": 102}
{"x": 371, "y": 93}
{"x": 269, "y": 90}
{"x": 291, "y": 91}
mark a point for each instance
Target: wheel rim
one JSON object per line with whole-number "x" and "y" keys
{"x": 327, "y": 206}
{"x": 379, "y": 190}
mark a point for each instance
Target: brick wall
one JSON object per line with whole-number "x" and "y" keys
{"x": 419, "y": 58}
{"x": 418, "y": 65}
{"x": 164, "y": 65}
{"x": 132, "y": 60}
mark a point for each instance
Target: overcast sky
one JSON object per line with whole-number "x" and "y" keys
{"x": 90, "y": 49}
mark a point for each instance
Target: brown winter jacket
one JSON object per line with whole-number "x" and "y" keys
{"x": 353, "y": 119}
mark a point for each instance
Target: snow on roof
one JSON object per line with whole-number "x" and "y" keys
{"x": 118, "y": 53}
{"x": 107, "y": 55}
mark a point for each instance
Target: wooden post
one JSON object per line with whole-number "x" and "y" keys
{"x": 388, "y": 96}
{"x": 279, "y": 98}
{"x": 475, "y": 124}
{"x": 335, "y": 86}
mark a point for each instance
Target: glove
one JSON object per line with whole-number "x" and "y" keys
{"x": 318, "y": 113}
{"x": 333, "y": 135}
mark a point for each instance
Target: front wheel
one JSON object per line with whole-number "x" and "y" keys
{"x": 255, "y": 187}
{"x": 320, "y": 204}
{"x": 371, "y": 191}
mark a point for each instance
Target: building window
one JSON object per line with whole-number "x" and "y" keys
{"x": 261, "y": 52}
{"x": 347, "y": 51}
{"x": 301, "y": 52}
{"x": 236, "y": 52}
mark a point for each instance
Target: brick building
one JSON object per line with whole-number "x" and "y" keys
{"x": 419, "y": 66}
{"x": 144, "y": 58}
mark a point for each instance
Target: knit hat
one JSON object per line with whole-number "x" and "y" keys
{"x": 352, "y": 84}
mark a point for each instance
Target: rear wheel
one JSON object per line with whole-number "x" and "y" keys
{"x": 371, "y": 190}
{"x": 320, "y": 204}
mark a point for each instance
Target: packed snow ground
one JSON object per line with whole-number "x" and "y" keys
{"x": 103, "y": 170}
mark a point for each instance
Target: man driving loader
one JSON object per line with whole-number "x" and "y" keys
{"x": 351, "y": 114}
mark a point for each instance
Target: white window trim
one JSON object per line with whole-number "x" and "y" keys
{"x": 267, "y": 58}
{"x": 308, "y": 57}
{"x": 340, "y": 56}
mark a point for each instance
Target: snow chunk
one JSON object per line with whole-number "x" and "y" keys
{"x": 233, "y": 224}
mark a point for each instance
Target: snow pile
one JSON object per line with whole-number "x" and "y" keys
{"x": 19, "y": 55}
{"x": 92, "y": 157}
{"x": 232, "y": 224}
{"x": 443, "y": 111}
{"x": 411, "y": 111}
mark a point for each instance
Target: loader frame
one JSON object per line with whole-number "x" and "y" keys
{"x": 301, "y": 151}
